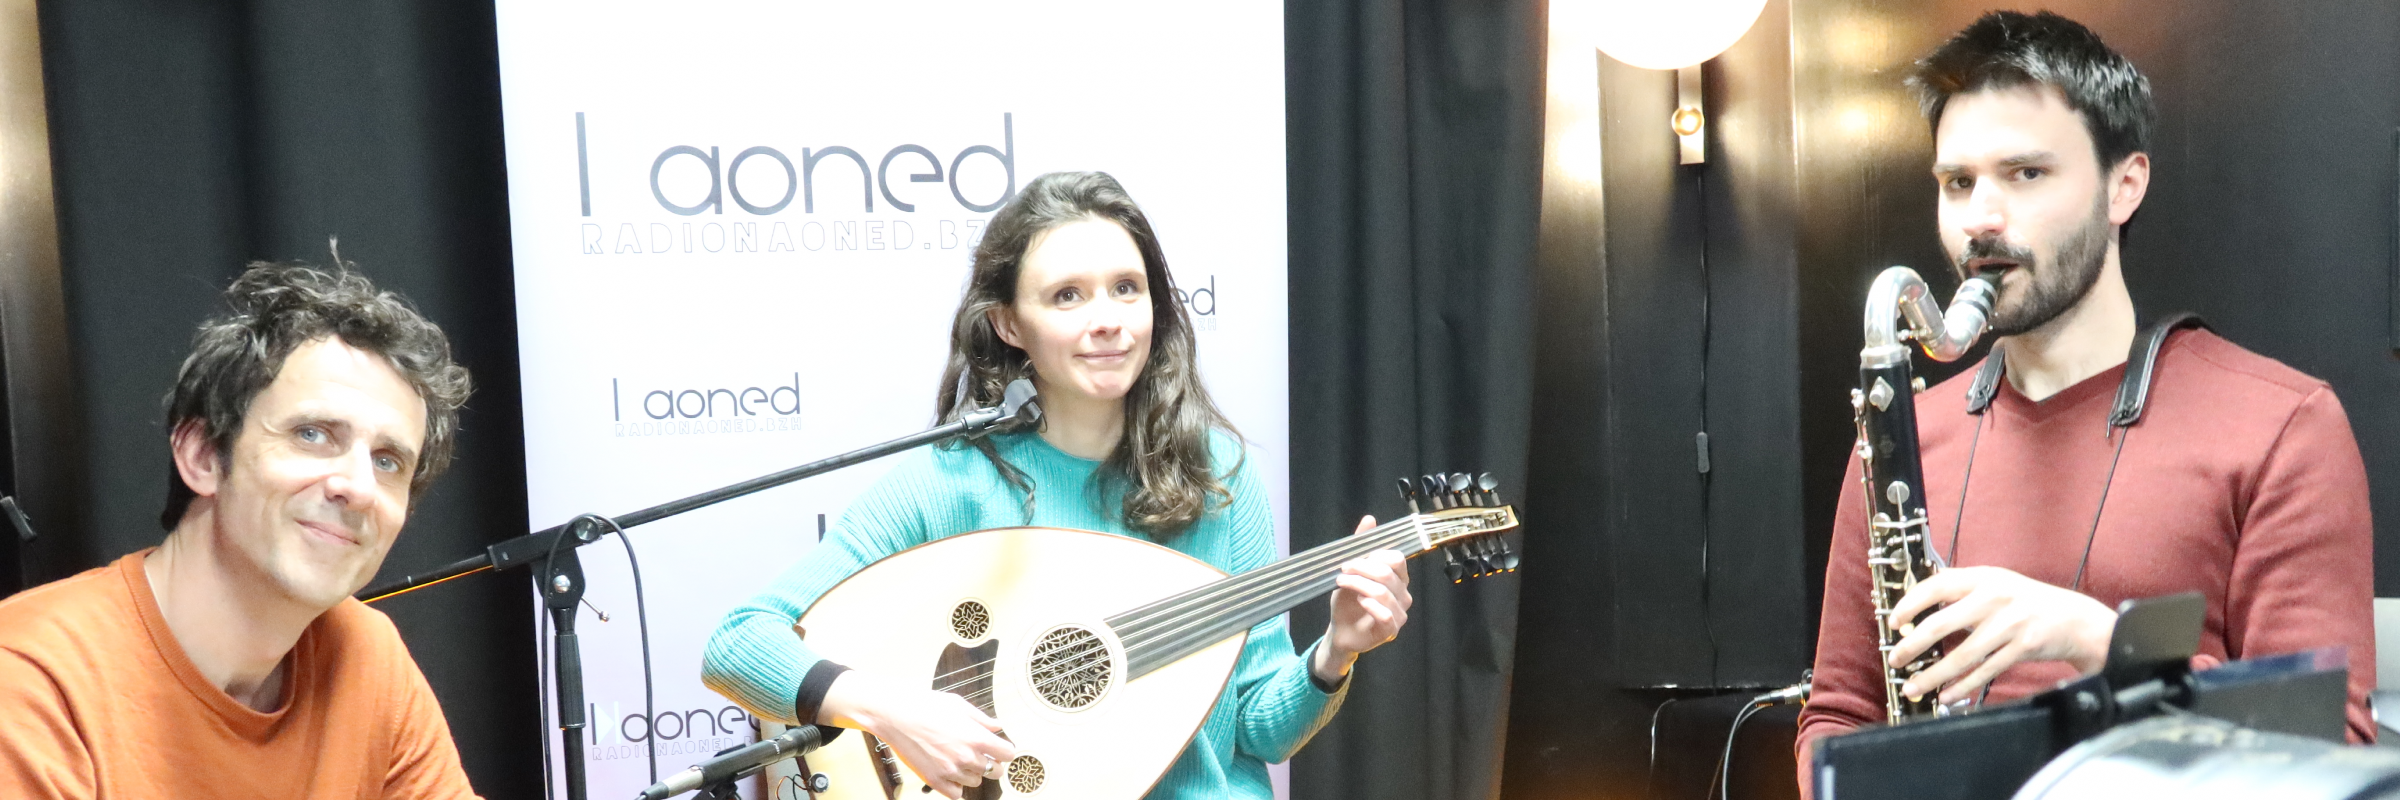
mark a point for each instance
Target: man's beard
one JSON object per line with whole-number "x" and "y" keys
{"x": 2057, "y": 284}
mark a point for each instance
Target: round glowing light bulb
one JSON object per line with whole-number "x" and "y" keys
{"x": 1670, "y": 34}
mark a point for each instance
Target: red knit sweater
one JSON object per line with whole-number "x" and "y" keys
{"x": 2241, "y": 481}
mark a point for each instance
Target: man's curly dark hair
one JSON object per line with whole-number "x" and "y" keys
{"x": 276, "y": 308}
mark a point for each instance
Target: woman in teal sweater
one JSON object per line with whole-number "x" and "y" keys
{"x": 1063, "y": 293}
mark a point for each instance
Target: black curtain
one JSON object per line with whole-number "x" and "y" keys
{"x": 190, "y": 138}
{"x": 1415, "y": 142}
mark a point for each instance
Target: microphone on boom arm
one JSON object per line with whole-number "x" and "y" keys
{"x": 741, "y": 762}
{"x": 1019, "y": 409}
{"x": 1022, "y": 407}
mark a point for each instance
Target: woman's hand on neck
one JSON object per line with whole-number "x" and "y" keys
{"x": 2090, "y": 338}
{"x": 1083, "y": 427}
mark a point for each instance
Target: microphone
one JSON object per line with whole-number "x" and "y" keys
{"x": 1019, "y": 409}
{"x": 1020, "y": 404}
{"x": 739, "y": 762}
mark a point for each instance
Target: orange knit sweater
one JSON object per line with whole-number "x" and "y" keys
{"x": 98, "y": 700}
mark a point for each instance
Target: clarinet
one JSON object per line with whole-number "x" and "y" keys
{"x": 1899, "y": 553}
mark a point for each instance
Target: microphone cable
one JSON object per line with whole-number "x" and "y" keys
{"x": 641, "y": 618}
{"x": 1721, "y": 781}
{"x": 641, "y": 614}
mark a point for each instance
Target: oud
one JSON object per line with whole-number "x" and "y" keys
{"x": 1101, "y": 655}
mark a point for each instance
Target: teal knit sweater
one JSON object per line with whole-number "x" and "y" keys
{"x": 1270, "y": 707}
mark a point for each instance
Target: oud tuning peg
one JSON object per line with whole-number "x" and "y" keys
{"x": 1459, "y": 482}
{"x": 1451, "y": 567}
{"x": 1431, "y": 487}
{"x": 1408, "y": 492}
{"x": 1489, "y": 487}
{"x": 1490, "y": 556}
{"x": 1508, "y": 556}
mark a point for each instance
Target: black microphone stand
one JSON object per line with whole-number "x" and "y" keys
{"x": 559, "y": 576}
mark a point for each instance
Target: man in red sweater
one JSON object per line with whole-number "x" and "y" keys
{"x": 2241, "y": 481}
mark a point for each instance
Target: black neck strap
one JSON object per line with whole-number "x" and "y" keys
{"x": 2133, "y": 392}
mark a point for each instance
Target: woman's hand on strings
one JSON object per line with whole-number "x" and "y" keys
{"x": 1370, "y": 604}
{"x": 946, "y": 740}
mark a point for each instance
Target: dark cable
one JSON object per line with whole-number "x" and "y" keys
{"x": 641, "y": 613}
{"x": 1650, "y": 780}
{"x": 1722, "y": 780}
{"x": 1708, "y": 620}
{"x": 1720, "y": 777}
{"x": 541, "y": 689}
{"x": 641, "y": 616}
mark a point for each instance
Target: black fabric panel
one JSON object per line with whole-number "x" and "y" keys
{"x": 1665, "y": 294}
{"x": 1696, "y": 329}
{"x": 1654, "y": 520}
{"x": 1415, "y": 148}
{"x": 1758, "y": 598}
{"x": 145, "y": 122}
{"x": 191, "y": 138}
{"x": 1864, "y": 202}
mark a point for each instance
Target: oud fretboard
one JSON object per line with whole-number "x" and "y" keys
{"x": 1165, "y": 631}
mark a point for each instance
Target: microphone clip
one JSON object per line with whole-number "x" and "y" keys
{"x": 1019, "y": 408}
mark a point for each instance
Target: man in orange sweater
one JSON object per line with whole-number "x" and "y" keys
{"x": 230, "y": 661}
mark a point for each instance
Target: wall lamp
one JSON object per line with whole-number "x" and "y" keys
{"x": 1676, "y": 35}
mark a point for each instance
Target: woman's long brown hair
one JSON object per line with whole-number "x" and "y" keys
{"x": 1163, "y": 458}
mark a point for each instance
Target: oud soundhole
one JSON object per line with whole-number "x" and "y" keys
{"x": 1025, "y": 774}
{"x": 970, "y": 620}
{"x": 1070, "y": 668}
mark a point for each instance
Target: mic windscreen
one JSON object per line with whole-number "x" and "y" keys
{"x": 1020, "y": 402}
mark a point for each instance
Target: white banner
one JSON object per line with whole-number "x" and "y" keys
{"x": 741, "y": 228}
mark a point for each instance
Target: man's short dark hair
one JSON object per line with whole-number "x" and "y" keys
{"x": 276, "y": 308}
{"x": 2008, "y": 49}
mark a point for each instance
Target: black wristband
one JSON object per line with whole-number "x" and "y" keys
{"x": 812, "y": 690}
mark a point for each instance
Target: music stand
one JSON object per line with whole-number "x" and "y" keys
{"x": 1986, "y": 755}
